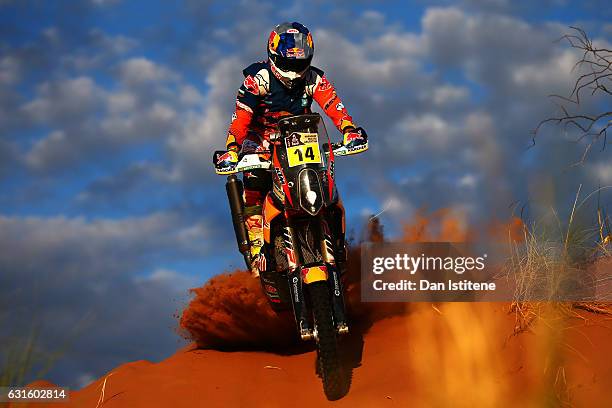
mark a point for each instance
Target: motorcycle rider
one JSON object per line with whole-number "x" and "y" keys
{"x": 285, "y": 84}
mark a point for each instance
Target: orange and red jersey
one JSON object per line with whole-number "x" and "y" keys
{"x": 262, "y": 100}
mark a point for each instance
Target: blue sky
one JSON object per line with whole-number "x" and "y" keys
{"x": 109, "y": 112}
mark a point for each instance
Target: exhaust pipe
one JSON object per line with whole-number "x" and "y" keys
{"x": 234, "y": 189}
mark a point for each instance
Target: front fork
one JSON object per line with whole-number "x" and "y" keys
{"x": 297, "y": 280}
{"x": 333, "y": 280}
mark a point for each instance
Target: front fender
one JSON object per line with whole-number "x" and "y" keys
{"x": 314, "y": 274}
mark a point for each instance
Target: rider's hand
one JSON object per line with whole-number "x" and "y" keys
{"x": 233, "y": 149}
{"x": 354, "y": 137}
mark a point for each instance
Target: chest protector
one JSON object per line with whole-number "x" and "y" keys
{"x": 279, "y": 101}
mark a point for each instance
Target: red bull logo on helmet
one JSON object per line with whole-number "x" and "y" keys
{"x": 295, "y": 52}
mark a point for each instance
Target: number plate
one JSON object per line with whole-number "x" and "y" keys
{"x": 302, "y": 148}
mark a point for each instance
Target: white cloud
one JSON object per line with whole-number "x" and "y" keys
{"x": 89, "y": 120}
{"x": 85, "y": 242}
{"x": 62, "y": 100}
{"x": 9, "y": 70}
{"x": 449, "y": 95}
{"x": 484, "y": 45}
{"x": 553, "y": 73}
{"x": 390, "y": 68}
{"x": 484, "y": 146}
{"x": 397, "y": 207}
{"x": 99, "y": 50}
{"x": 169, "y": 278}
{"x": 428, "y": 129}
{"x": 161, "y": 112}
{"x": 602, "y": 173}
{"x": 401, "y": 45}
{"x": 48, "y": 149}
{"x": 139, "y": 70}
{"x": 190, "y": 96}
{"x": 121, "y": 102}
{"x": 468, "y": 181}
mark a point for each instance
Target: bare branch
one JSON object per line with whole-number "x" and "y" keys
{"x": 598, "y": 64}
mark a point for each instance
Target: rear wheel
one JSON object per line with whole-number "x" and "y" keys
{"x": 328, "y": 362}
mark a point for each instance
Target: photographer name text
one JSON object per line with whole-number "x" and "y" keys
{"x": 410, "y": 265}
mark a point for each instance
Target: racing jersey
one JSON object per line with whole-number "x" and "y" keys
{"x": 262, "y": 100}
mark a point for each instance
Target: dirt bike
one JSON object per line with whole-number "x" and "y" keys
{"x": 304, "y": 251}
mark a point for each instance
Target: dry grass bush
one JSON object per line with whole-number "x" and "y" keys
{"x": 561, "y": 268}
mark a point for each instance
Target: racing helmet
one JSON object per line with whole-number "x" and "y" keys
{"x": 290, "y": 51}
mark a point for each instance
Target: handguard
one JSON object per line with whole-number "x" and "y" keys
{"x": 342, "y": 150}
{"x": 226, "y": 162}
{"x": 252, "y": 162}
{"x": 355, "y": 141}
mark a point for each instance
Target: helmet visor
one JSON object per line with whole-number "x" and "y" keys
{"x": 292, "y": 64}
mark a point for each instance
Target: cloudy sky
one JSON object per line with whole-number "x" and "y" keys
{"x": 110, "y": 110}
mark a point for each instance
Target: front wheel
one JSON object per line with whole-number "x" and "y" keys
{"x": 327, "y": 346}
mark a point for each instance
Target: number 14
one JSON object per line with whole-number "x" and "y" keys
{"x": 309, "y": 153}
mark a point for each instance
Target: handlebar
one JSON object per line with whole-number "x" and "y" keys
{"x": 257, "y": 153}
{"x": 335, "y": 146}
{"x": 252, "y": 160}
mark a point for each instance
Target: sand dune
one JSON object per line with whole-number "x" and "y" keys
{"x": 447, "y": 355}
{"x": 417, "y": 354}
